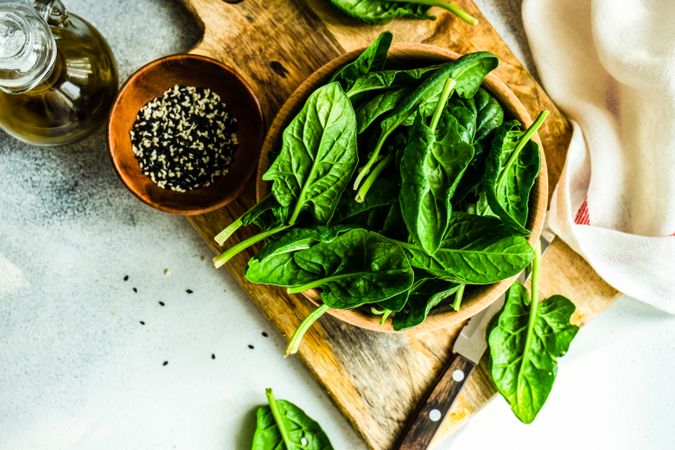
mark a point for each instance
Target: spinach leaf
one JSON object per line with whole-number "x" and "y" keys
{"x": 275, "y": 264}
{"x": 511, "y": 170}
{"x": 379, "y": 105}
{"x": 383, "y": 11}
{"x": 423, "y": 297}
{"x": 527, "y": 337}
{"x": 282, "y": 425}
{"x": 489, "y": 114}
{"x": 373, "y": 58}
{"x": 384, "y": 193}
{"x": 318, "y": 155}
{"x": 265, "y": 214}
{"x": 388, "y": 79}
{"x": 431, "y": 167}
{"x": 356, "y": 268}
{"x": 476, "y": 250}
{"x": 468, "y": 71}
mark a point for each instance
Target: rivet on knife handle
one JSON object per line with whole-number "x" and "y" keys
{"x": 424, "y": 424}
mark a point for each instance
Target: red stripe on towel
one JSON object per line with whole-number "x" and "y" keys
{"x": 582, "y": 217}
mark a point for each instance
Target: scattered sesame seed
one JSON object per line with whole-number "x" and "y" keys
{"x": 135, "y": 290}
{"x": 213, "y": 356}
{"x": 264, "y": 333}
{"x": 167, "y": 272}
{"x": 165, "y": 363}
{"x": 142, "y": 322}
{"x": 189, "y": 291}
{"x": 126, "y": 277}
{"x": 161, "y": 303}
{"x": 250, "y": 346}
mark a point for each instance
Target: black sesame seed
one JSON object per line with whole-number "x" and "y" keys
{"x": 264, "y": 333}
{"x": 126, "y": 277}
{"x": 165, "y": 363}
{"x": 135, "y": 290}
{"x": 250, "y": 346}
{"x": 162, "y": 303}
{"x": 213, "y": 356}
{"x": 189, "y": 291}
{"x": 142, "y": 323}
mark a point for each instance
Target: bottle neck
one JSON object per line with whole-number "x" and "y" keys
{"x": 28, "y": 50}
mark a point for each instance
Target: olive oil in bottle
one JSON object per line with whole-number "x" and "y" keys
{"x": 57, "y": 74}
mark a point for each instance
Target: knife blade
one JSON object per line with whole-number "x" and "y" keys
{"x": 468, "y": 350}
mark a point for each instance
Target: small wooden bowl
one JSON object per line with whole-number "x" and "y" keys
{"x": 404, "y": 56}
{"x": 150, "y": 82}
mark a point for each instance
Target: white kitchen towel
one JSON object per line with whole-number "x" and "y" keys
{"x": 610, "y": 66}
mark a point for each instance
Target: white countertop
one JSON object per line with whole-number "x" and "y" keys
{"x": 79, "y": 371}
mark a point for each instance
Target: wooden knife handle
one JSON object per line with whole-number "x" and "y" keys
{"x": 432, "y": 410}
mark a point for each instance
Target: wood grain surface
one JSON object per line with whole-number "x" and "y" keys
{"x": 375, "y": 379}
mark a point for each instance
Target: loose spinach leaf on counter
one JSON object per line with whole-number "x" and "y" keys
{"x": 318, "y": 155}
{"x": 527, "y": 337}
{"x": 476, "y": 250}
{"x": 383, "y": 11}
{"x": 373, "y": 58}
{"x": 511, "y": 170}
{"x": 283, "y": 426}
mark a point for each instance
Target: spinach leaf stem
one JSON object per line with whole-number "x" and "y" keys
{"x": 448, "y": 87}
{"x": 228, "y": 231}
{"x": 231, "y": 252}
{"x": 365, "y": 187}
{"x": 459, "y": 295}
{"x": 466, "y": 17}
{"x": 524, "y": 139}
{"x": 534, "y": 304}
{"x": 294, "y": 341}
{"x": 278, "y": 418}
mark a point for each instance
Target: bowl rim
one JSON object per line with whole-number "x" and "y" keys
{"x": 186, "y": 209}
{"x": 491, "y": 293}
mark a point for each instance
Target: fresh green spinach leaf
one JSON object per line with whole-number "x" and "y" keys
{"x": 283, "y": 426}
{"x": 356, "y": 268}
{"x": 383, "y": 11}
{"x": 275, "y": 264}
{"x": 527, "y": 338}
{"x": 431, "y": 167}
{"x": 424, "y": 296}
{"x": 318, "y": 155}
{"x": 374, "y": 57}
{"x": 476, "y": 250}
{"x": 511, "y": 170}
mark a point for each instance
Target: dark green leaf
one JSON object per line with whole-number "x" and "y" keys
{"x": 383, "y": 193}
{"x": 379, "y": 105}
{"x": 476, "y": 250}
{"x": 356, "y": 268}
{"x": 373, "y": 58}
{"x": 381, "y": 11}
{"x": 389, "y": 79}
{"x": 318, "y": 155}
{"x": 524, "y": 351}
{"x": 300, "y": 430}
{"x": 423, "y": 297}
{"x": 431, "y": 167}
{"x": 275, "y": 264}
{"x": 510, "y": 173}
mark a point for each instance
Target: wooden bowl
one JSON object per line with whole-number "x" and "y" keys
{"x": 403, "y": 56}
{"x": 150, "y": 82}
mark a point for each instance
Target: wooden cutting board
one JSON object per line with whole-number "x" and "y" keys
{"x": 375, "y": 379}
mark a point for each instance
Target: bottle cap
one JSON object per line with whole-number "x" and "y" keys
{"x": 27, "y": 48}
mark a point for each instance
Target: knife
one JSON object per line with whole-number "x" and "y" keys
{"x": 468, "y": 350}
